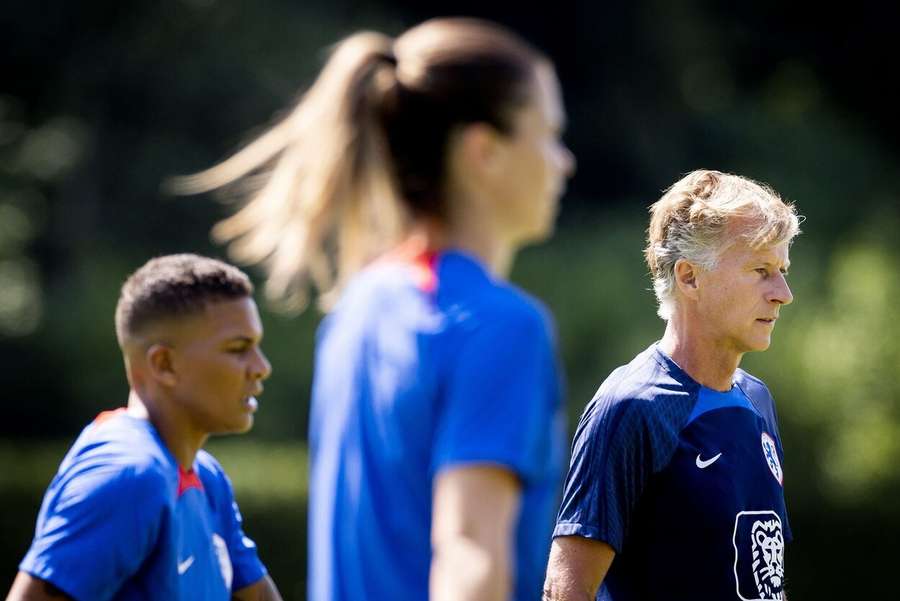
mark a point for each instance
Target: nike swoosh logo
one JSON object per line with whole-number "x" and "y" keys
{"x": 184, "y": 565}
{"x": 703, "y": 464}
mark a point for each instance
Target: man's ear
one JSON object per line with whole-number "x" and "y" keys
{"x": 686, "y": 278}
{"x": 161, "y": 365}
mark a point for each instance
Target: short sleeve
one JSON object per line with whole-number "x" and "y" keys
{"x": 501, "y": 393}
{"x": 246, "y": 565}
{"x": 615, "y": 451}
{"x": 96, "y": 528}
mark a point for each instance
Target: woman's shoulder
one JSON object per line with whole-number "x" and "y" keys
{"x": 465, "y": 282}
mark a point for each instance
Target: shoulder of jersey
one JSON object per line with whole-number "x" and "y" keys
{"x": 755, "y": 388}
{"x": 643, "y": 378}
{"x": 208, "y": 466}
{"x": 641, "y": 391}
{"x": 507, "y": 302}
{"x": 122, "y": 441}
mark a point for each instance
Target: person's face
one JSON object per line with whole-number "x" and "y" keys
{"x": 220, "y": 366}
{"x": 739, "y": 300}
{"x": 536, "y": 163}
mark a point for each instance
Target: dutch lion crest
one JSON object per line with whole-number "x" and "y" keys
{"x": 759, "y": 556}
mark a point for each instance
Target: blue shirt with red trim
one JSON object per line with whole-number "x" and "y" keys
{"x": 684, "y": 482}
{"x": 121, "y": 520}
{"x": 424, "y": 365}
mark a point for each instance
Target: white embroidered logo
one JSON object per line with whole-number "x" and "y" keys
{"x": 770, "y": 454}
{"x": 705, "y": 463}
{"x": 224, "y": 559}
{"x": 759, "y": 550}
{"x": 768, "y": 557}
{"x": 184, "y": 565}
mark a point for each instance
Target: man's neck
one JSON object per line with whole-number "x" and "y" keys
{"x": 701, "y": 358}
{"x": 180, "y": 439}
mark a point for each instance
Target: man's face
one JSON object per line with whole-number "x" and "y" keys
{"x": 738, "y": 301}
{"x": 220, "y": 366}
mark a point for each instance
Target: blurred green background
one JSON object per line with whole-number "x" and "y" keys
{"x": 100, "y": 101}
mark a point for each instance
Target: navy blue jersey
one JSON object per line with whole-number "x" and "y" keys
{"x": 123, "y": 521}
{"x": 426, "y": 365}
{"x": 684, "y": 482}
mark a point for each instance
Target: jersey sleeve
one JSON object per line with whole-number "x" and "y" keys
{"x": 614, "y": 453}
{"x": 96, "y": 528}
{"x": 501, "y": 396}
{"x": 246, "y": 565}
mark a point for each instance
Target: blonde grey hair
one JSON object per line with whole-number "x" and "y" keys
{"x": 690, "y": 221}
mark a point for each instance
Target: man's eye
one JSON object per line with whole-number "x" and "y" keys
{"x": 762, "y": 271}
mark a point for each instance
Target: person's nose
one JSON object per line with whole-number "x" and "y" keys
{"x": 781, "y": 292}
{"x": 568, "y": 161}
{"x": 261, "y": 369}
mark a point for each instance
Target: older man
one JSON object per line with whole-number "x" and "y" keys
{"x": 675, "y": 489}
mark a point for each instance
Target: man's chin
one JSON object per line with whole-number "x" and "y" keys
{"x": 240, "y": 427}
{"x": 758, "y": 346}
{"x": 246, "y": 426}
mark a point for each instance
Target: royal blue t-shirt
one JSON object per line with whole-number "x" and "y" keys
{"x": 684, "y": 482}
{"x": 426, "y": 364}
{"x": 121, "y": 520}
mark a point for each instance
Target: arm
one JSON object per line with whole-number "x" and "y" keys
{"x": 28, "y": 588}
{"x": 474, "y": 511}
{"x": 263, "y": 589}
{"x": 576, "y": 569}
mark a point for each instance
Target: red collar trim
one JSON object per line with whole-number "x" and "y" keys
{"x": 188, "y": 479}
{"x": 105, "y": 415}
{"x": 425, "y": 271}
{"x": 423, "y": 263}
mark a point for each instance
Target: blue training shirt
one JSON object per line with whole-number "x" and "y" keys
{"x": 426, "y": 364}
{"x": 684, "y": 482}
{"x": 121, "y": 520}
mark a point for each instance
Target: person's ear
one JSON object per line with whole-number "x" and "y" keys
{"x": 686, "y": 278}
{"x": 161, "y": 364}
{"x": 479, "y": 147}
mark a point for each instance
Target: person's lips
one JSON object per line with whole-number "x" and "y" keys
{"x": 250, "y": 402}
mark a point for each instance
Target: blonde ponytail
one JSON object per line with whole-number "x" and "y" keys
{"x": 325, "y": 201}
{"x": 338, "y": 181}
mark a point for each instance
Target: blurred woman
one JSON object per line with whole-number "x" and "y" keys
{"x": 400, "y": 189}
